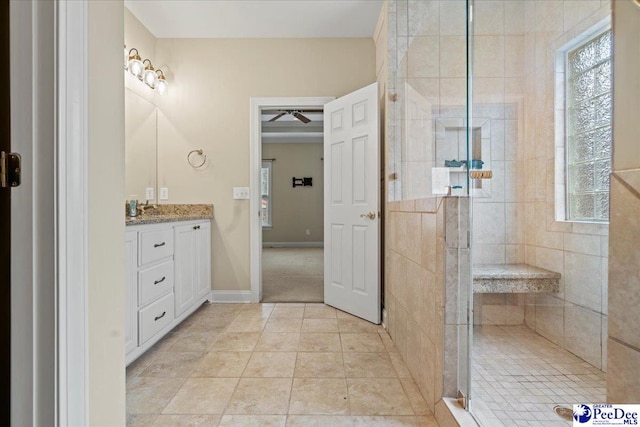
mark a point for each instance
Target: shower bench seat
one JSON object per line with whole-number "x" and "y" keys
{"x": 514, "y": 278}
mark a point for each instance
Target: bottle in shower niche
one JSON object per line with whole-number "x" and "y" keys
{"x": 133, "y": 206}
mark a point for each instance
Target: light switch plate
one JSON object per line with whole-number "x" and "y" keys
{"x": 240, "y": 193}
{"x": 148, "y": 193}
{"x": 164, "y": 193}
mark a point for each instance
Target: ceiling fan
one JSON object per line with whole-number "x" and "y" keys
{"x": 295, "y": 113}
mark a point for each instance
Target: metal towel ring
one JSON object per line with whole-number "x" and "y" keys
{"x": 199, "y": 152}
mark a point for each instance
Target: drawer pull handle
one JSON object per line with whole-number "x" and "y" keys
{"x": 157, "y": 245}
{"x": 196, "y": 227}
{"x": 160, "y": 281}
{"x": 160, "y": 317}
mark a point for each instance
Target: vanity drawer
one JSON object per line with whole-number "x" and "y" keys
{"x": 153, "y": 282}
{"x": 155, "y": 317}
{"x": 155, "y": 245}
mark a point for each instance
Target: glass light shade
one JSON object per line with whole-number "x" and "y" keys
{"x": 150, "y": 77}
{"x": 162, "y": 85}
{"x": 135, "y": 67}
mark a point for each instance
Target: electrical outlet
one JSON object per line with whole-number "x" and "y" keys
{"x": 308, "y": 232}
{"x": 240, "y": 193}
{"x": 148, "y": 193}
{"x": 164, "y": 193}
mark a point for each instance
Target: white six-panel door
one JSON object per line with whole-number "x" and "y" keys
{"x": 352, "y": 204}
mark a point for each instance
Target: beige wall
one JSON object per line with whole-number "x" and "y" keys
{"x": 207, "y": 106}
{"x": 296, "y": 210}
{"x": 136, "y": 35}
{"x": 106, "y": 370}
{"x": 624, "y": 258}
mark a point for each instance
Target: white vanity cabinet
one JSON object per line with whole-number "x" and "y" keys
{"x": 193, "y": 256}
{"x": 168, "y": 276}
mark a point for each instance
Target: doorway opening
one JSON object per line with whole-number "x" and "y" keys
{"x": 292, "y": 204}
{"x": 287, "y": 195}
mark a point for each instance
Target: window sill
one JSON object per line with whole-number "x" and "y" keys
{"x": 574, "y": 221}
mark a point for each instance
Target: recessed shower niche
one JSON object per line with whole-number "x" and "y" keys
{"x": 451, "y": 149}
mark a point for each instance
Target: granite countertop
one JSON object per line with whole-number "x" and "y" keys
{"x": 171, "y": 213}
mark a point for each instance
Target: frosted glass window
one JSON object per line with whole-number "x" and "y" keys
{"x": 265, "y": 186}
{"x": 588, "y": 145}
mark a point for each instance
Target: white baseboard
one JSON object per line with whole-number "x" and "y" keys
{"x": 293, "y": 244}
{"x": 231, "y": 296}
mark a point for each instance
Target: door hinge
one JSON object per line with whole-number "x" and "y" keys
{"x": 10, "y": 169}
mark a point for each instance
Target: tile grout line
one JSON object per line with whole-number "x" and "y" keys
{"x": 185, "y": 378}
{"x": 235, "y": 388}
{"x": 346, "y": 383}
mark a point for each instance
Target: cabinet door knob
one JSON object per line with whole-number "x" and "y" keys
{"x": 157, "y": 245}
{"x": 196, "y": 227}
{"x": 160, "y": 281}
{"x": 160, "y": 317}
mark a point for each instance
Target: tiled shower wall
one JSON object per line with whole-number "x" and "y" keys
{"x": 414, "y": 294}
{"x": 624, "y": 281}
{"x": 515, "y": 86}
{"x": 576, "y": 317}
{"x": 498, "y": 105}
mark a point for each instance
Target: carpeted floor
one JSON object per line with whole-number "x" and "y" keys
{"x": 292, "y": 275}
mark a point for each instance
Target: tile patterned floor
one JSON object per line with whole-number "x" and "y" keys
{"x": 273, "y": 365}
{"x": 519, "y": 376}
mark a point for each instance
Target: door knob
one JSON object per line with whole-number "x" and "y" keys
{"x": 370, "y": 215}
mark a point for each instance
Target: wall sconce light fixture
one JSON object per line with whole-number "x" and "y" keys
{"x": 161, "y": 84}
{"x": 144, "y": 71}
{"x": 134, "y": 65}
{"x": 150, "y": 77}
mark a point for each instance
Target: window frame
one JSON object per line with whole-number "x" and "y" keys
{"x": 561, "y": 121}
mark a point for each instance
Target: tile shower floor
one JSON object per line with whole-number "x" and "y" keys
{"x": 519, "y": 376}
{"x": 274, "y": 365}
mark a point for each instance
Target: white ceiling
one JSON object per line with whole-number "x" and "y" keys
{"x": 257, "y": 18}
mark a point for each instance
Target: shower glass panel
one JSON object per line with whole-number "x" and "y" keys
{"x": 537, "y": 292}
{"x": 427, "y": 154}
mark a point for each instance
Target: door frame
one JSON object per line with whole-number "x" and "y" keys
{"x": 255, "y": 162}
{"x": 72, "y": 211}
